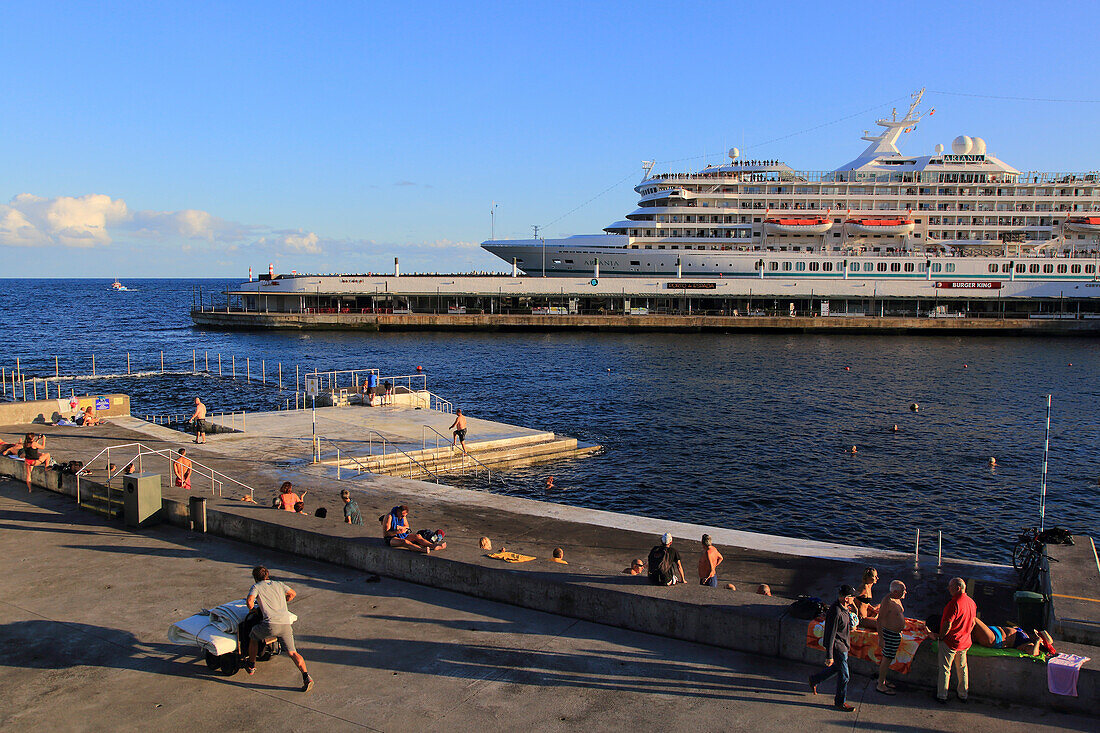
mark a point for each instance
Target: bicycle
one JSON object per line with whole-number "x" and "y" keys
{"x": 1027, "y": 559}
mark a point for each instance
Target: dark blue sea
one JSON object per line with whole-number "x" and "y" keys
{"x": 742, "y": 431}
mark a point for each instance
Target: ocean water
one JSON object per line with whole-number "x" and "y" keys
{"x": 744, "y": 431}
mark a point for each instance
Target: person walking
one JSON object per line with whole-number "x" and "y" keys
{"x": 458, "y": 428}
{"x": 273, "y": 595}
{"x": 351, "y": 509}
{"x": 956, "y": 626}
{"x": 836, "y": 640}
{"x": 198, "y": 417}
{"x": 709, "y": 562}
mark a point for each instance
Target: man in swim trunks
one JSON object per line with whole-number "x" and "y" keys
{"x": 709, "y": 562}
{"x": 891, "y": 621}
{"x": 459, "y": 430}
{"x": 199, "y": 419}
{"x": 181, "y": 469}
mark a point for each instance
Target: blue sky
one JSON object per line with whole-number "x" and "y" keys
{"x": 152, "y": 139}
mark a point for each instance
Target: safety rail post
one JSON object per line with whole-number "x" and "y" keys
{"x": 194, "y": 361}
{"x": 337, "y": 463}
{"x": 263, "y": 371}
{"x": 93, "y": 365}
{"x": 127, "y": 362}
{"x": 281, "y": 377}
{"x": 56, "y": 369}
{"x": 219, "y": 363}
{"x": 234, "y": 374}
{"x": 162, "y": 362}
{"x": 206, "y": 355}
{"x": 248, "y": 369}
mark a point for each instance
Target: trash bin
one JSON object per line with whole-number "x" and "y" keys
{"x": 1031, "y": 610}
{"x": 197, "y": 507}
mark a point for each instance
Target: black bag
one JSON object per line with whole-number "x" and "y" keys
{"x": 72, "y": 467}
{"x": 660, "y": 565}
{"x": 1055, "y": 536}
{"x": 807, "y": 608}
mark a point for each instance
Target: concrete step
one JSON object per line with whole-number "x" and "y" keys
{"x": 446, "y": 460}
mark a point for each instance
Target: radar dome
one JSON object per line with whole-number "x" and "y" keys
{"x": 962, "y": 145}
{"x": 979, "y": 146}
{"x": 939, "y": 148}
{"x": 734, "y": 153}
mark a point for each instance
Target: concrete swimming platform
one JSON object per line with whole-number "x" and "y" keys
{"x": 391, "y": 655}
{"x": 597, "y": 545}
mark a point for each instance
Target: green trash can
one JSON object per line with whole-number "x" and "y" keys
{"x": 1031, "y": 610}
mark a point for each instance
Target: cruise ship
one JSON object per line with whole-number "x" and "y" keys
{"x": 966, "y": 219}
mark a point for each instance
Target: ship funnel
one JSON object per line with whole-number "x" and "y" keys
{"x": 396, "y": 268}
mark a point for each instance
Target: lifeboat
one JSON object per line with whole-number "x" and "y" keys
{"x": 1083, "y": 223}
{"x": 897, "y": 226}
{"x": 798, "y": 225}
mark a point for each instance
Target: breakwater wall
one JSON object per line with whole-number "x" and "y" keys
{"x": 239, "y": 320}
{"x": 736, "y": 620}
{"x": 42, "y": 411}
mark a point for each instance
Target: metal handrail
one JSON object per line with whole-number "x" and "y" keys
{"x": 442, "y": 405}
{"x": 370, "y": 435}
{"x": 167, "y": 453}
{"x": 488, "y": 473}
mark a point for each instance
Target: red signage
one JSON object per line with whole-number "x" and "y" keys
{"x": 967, "y": 285}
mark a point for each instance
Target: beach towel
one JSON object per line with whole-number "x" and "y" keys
{"x": 510, "y": 556}
{"x": 863, "y": 643}
{"x": 1062, "y": 673}
{"x": 984, "y": 651}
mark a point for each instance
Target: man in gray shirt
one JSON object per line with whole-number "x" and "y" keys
{"x": 273, "y": 596}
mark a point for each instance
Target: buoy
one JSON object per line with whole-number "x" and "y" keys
{"x": 966, "y": 366}
{"x": 847, "y": 369}
{"x": 420, "y": 369}
{"x": 895, "y": 429}
{"x": 914, "y": 407}
{"x": 609, "y": 369}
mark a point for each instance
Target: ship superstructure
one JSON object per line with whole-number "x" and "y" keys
{"x": 963, "y": 215}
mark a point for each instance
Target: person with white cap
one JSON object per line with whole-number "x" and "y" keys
{"x": 664, "y": 563}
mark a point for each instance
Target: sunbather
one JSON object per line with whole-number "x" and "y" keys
{"x": 397, "y": 533}
{"x": 34, "y": 454}
{"x": 89, "y": 419}
{"x": 1007, "y": 637}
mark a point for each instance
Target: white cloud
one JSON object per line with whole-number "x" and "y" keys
{"x": 305, "y": 242}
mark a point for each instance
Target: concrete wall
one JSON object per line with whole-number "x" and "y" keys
{"x": 745, "y": 622}
{"x": 41, "y": 411}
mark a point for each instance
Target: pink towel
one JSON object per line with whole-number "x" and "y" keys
{"x": 1062, "y": 672}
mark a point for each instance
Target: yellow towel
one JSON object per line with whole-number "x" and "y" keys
{"x": 510, "y": 556}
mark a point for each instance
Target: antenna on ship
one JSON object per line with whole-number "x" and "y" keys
{"x": 536, "y": 228}
{"x": 647, "y": 166}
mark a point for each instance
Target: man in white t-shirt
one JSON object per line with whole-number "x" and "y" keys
{"x": 273, "y": 595}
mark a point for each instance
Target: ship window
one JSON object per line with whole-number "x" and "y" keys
{"x": 557, "y": 262}
{"x": 881, "y": 267}
{"x": 909, "y": 267}
{"x": 801, "y": 266}
{"x": 1048, "y": 269}
{"x": 854, "y": 267}
{"x": 936, "y": 267}
{"x": 1006, "y": 268}
{"x": 1033, "y": 268}
{"x": 836, "y": 234}
{"x": 1061, "y": 268}
{"x": 923, "y": 267}
{"x": 649, "y": 246}
{"x": 786, "y": 266}
{"x": 827, "y": 266}
{"x": 635, "y": 263}
{"x": 993, "y": 268}
{"x": 1021, "y": 268}
{"x": 1075, "y": 269}
{"x": 569, "y": 262}
{"x": 660, "y": 246}
{"x": 895, "y": 267}
{"x": 813, "y": 267}
{"x": 1090, "y": 269}
{"x": 949, "y": 267}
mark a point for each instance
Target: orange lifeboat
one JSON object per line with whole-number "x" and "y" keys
{"x": 895, "y": 226}
{"x": 798, "y": 224}
{"x": 1083, "y": 223}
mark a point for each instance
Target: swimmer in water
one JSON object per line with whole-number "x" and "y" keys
{"x": 853, "y": 450}
{"x": 549, "y": 483}
{"x": 894, "y": 429}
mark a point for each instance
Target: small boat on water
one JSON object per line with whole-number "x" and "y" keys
{"x": 118, "y": 287}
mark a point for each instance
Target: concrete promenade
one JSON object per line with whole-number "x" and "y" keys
{"x": 87, "y": 604}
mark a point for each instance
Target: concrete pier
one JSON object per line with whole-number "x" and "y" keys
{"x": 86, "y": 609}
{"x": 253, "y": 320}
{"x": 597, "y": 544}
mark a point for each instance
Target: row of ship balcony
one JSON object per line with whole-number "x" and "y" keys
{"x": 1010, "y": 193}
{"x": 674, "y": 211}
{"x": 792, "y": 176}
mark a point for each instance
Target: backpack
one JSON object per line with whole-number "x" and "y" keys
{"x": 660, "y": 565}
{"x": 807, "y": 608}
{"x": 1055, "y": 536}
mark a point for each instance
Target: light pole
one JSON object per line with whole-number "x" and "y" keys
{"x": 493, "y": 218}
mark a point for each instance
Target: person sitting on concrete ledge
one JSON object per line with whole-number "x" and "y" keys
{"x": 9, "y": 449}
{"x": 865, "y": 605}
{"x": 559, "y": 556}
{"x": 763, "y": 589}
{"x": 664, "y": 563}
{"x": 637, "y": 567}
{"x": 88, "y": 418}
{"x": 300, "y": 508}
{"x": 287, "y": 497}
{"x": 397, "y": 533}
